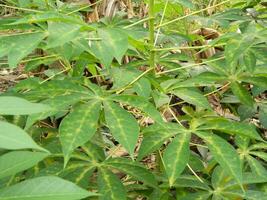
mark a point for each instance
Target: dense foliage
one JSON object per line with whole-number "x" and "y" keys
{"x": 153, "y": 99}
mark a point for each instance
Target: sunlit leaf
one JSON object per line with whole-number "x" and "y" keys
{"x": 16, "y": 161}
{"x": 18, "y": 106}
{"x": 13, "y": 137}
{"x": 44, "y": 188}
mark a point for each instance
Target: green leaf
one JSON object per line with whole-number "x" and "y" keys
{"x": 50, "y": 16}
{"x": 188, "y": 181}
{"x": 78, "y": 127}
{"x": 57, "y": 105}
{"x": 114, "y": 43}
{"x": 18, "y": 106}
{"x": 224, "y": 154}
{"x": 142, "y": 87}
{"x": 231, "y": 127}
{"x": 156, "y": 135}
{"x": 140, "y": 103}
{"x": 176, "y": 156}
{"x": 61, "y": 33}
{"x": 256, "y": 166}
{"x": 44, "y": 188}
{"x": 13, "y": 137}
{"x": 134, "y": 169}
{"x": 17, "y": 161}
{"x": 59, "y": 88}
{"x": 259, "y": 154}
{"x": 250, "y": 61}
{"x": 123, "y": 126}
{"x": 192, "y": 96}
{"x": 19, "y": 46}
{"x": 110, "y": 186}
{"x": 236, "y": 47}
{"x": 203, "y": 79}
{"x": 194, "y": 196}
{"x": 259, "y": 81}
{"x": 185, "y": 3}
{"x": 242, "y": 94}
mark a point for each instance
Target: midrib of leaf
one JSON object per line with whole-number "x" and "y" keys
{"x": 84, "y": 117}
{"x": 208, "y": 140}
{"x": 183, "y": 139}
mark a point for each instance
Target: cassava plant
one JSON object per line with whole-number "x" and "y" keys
{"x": 157, "y": 100}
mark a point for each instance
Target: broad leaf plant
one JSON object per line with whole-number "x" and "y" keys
{"x": 125, "y": 108}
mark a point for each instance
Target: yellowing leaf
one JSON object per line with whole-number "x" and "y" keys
{"x": 176, "y": 156}
{"x": 110, "y": 186}
{"x": 224, "y": 154}
{"x": 78, "y": 127}
{"x": 122, "y": 125}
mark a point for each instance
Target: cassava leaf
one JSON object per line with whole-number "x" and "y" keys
{"x": 56, "y": 105}
{"x": 156, "y": 135}
{"x": 61, "y": 33}
{"x": 44, "y": 188}
{"x": 192, "y": 96}
{"x": 16, "y": 161}
{"x": 242, "y": 94}
{"x": 18, "y": 106}
{"x": 19, "y": 46}
{"x": 12, "y": 137}
{"x": 224, "y": 154}
{"x": 140, "y": 103}
{"x": 176, "y": 156}
{"x": 78, "y": 127}
{"x": 122, "y": 125}
{"x": 134, "y": 169}
{"x": 110, "y": 186}
{"x": 231, "y": 127}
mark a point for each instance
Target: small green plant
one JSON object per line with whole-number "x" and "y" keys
{"x": 127, "y": 111}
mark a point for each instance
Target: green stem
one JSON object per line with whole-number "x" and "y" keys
{"x": 151, "y": 33}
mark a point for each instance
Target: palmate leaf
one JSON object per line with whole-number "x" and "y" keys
{"x": 56, "y": 105}
{"x": 256, "y": 166}
{"x": 156, "y": 135}
{"x": 110, "y": 186}
{"x": 192, "y": 96}
{"x": 188, "y": 181}
{"x": 113, "y": 44}
{"x": 224, "y": 154}
{"x": 12, "y": 137}
{"x": 50, "y": 16}
{"x": 242, "y": 94}
{"x": 16, "y": 161}
{"x": 176, "y": 156}
{"x": 140, "y": 103}
{"x": 236, "y": 47}
{"x": 203, "y": 79}
{"x": 195, "y": 196}
{"x": 134, "y": 169}
{"x": 18, "y": 106}
{"x": 61, "y": 33}
{"x": 231, "y": 127}
{"x": 19, "y": 46}
{"x": 122, "y": 125}
{"x": 78, "y": 127}
{"x": 58, "y": 88}
{"x": 259, "y": 81}
{"x": 44, "y": 188}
